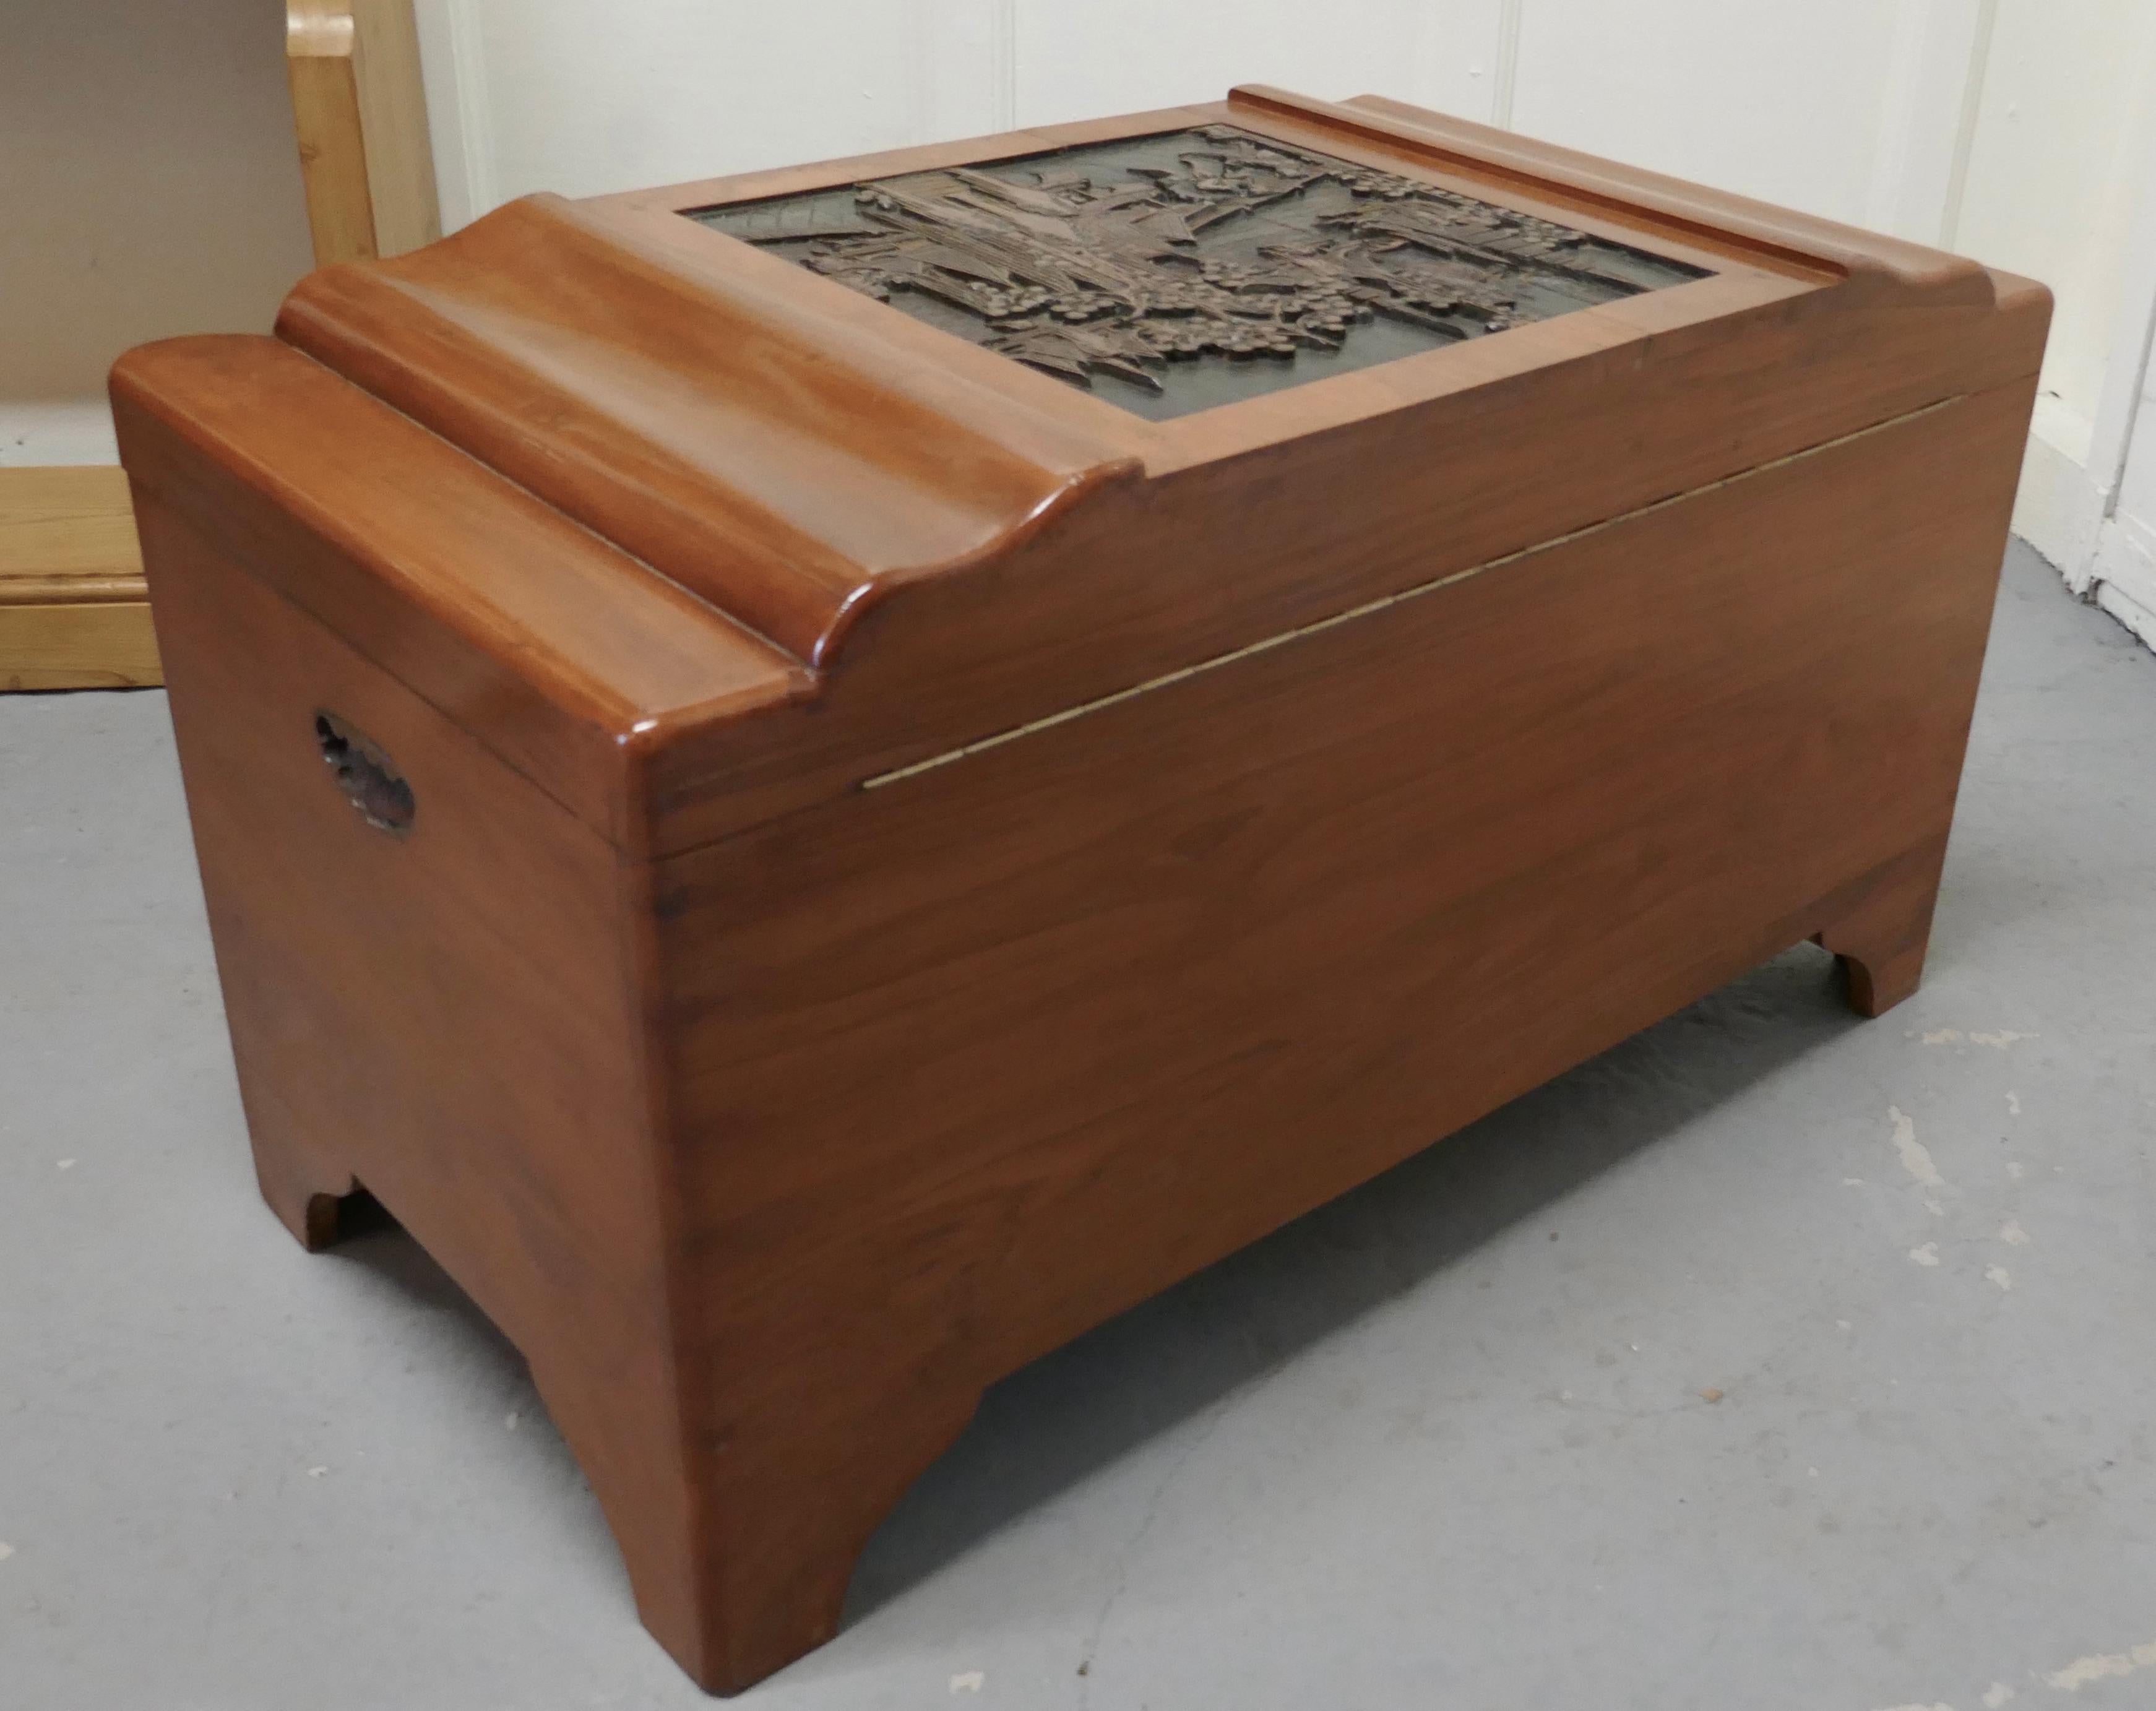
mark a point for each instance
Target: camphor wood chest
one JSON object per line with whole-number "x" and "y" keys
{"x": 823, "y": 779}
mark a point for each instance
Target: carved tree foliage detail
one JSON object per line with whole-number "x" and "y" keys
{"x": 1095, "y": 261}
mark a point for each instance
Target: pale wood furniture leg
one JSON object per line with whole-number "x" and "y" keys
{"x": 360, "y": 111}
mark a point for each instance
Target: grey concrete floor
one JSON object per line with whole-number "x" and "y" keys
{"x": 1775, "y": 1359}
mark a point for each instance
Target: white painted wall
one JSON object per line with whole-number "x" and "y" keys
{"x": 1794, "y": 105}
{"x": 2063, "y": 137}
{"x": 1108, "y": 56}
{"x": 1850, "y": 108}
{"x": 2020, "y": 132}
{"x": 581, "y": 97}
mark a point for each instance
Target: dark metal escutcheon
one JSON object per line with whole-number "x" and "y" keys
{"x": 369, "y": 779}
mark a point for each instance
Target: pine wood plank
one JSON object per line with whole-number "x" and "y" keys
{"x": 103, "y": 644}
{"x": 360, "y": 110}
{"x": 74, "y": 611}
{"x": 68, "y": 522}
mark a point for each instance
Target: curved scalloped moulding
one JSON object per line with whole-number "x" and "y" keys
{"x": 765, "y": 456}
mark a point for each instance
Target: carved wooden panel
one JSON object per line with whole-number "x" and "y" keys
{"x": 1196, "y": 267}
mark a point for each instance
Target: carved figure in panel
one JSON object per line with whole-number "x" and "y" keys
{"x": 1157, "y": 263}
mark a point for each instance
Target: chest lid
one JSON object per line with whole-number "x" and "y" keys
{"x": 879, "y": 457}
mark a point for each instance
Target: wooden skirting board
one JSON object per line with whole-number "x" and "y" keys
{"x": 74, "y": 611}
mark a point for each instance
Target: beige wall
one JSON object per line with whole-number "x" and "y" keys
{"x": 148, "y": 185}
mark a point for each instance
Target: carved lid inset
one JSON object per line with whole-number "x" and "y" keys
{"x": 1196, "y": 267}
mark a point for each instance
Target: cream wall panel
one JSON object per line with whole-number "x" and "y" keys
{"x": 583, "y": 96}
{"x": 149, "y": 186}
{"x": 1785, "y": 103}
{"x": 1107, "y": 56}
{"x": 1932, "y": 80}
{"x": 1847, "y": 107}
{"x": 2064, "y": 141}
{"x": 586, "y": 97}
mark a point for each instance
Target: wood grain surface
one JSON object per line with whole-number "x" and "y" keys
{"x": 359, "y": 110}
{"x": 906, "y": 859}
{"x": 456, "y": 1018}
{"x": 74, "y": 607}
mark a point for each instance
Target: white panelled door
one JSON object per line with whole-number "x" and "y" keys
{"x": 2125, "y": 567}
{"x": 2113, "y": 560}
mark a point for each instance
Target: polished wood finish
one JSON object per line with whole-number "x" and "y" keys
{"x": 809, "y": 863}
{"x": 75, "y": 609}
{"x": 360, "y": 110}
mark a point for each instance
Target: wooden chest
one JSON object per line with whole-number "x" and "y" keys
{"x": 823, "y": 779}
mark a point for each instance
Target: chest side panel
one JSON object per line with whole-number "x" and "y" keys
{"x": 430, "y": 974}
{"x": 1150, "y": 576}
{"x": 1024, "y": 1036}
